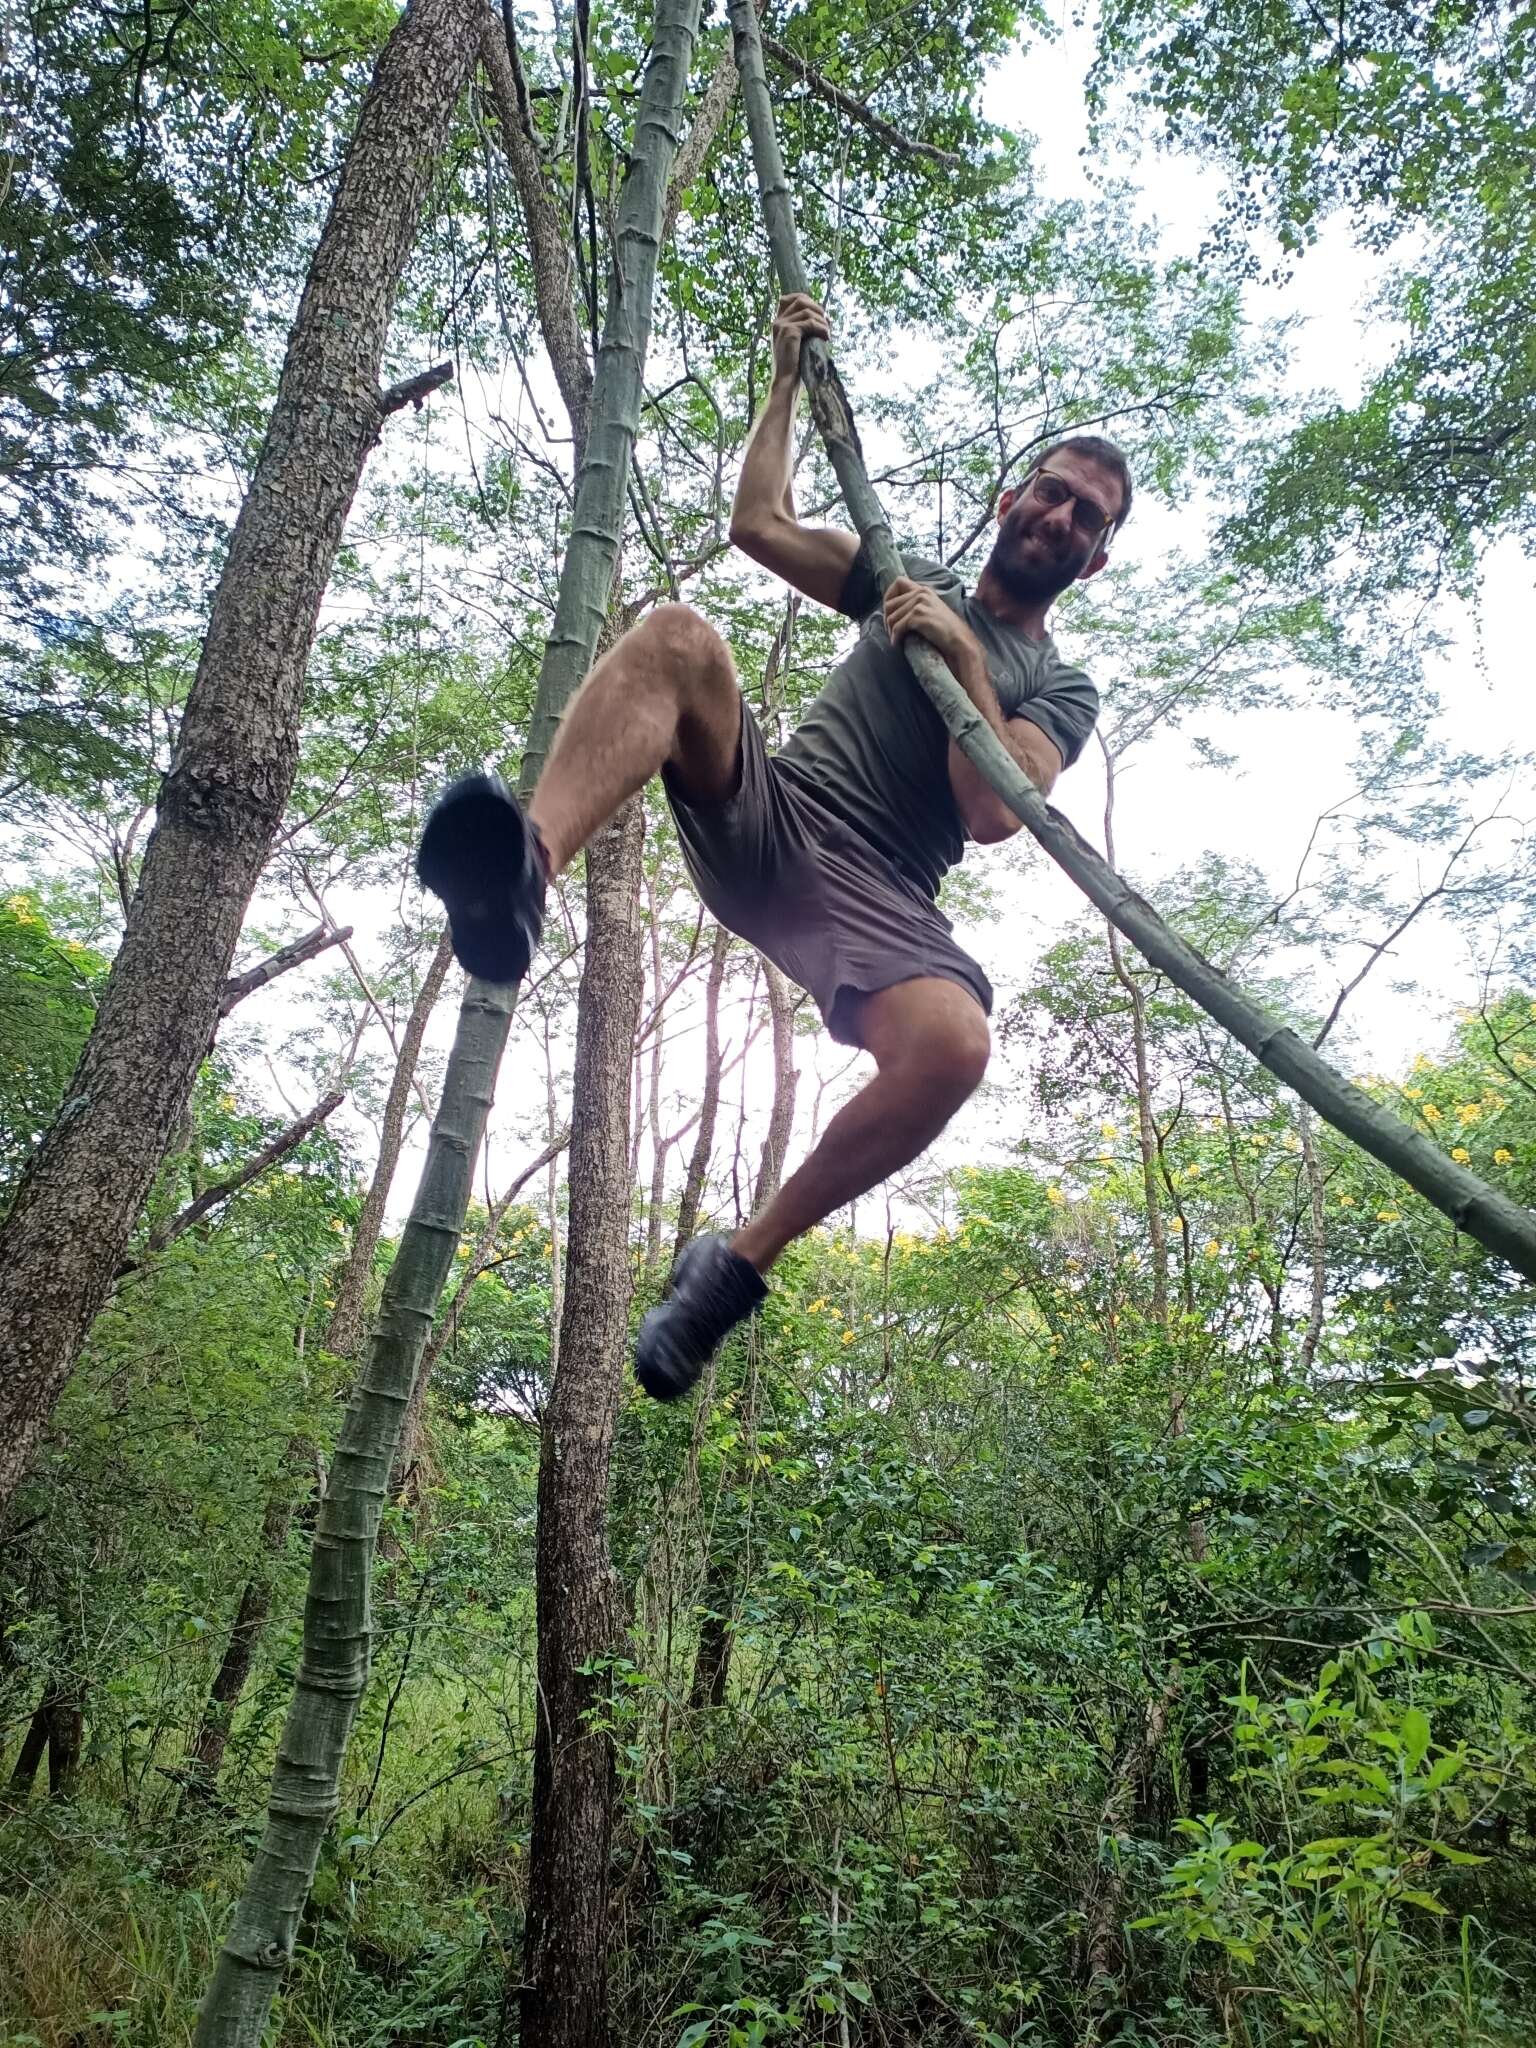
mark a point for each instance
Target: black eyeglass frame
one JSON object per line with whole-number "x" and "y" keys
{"x": 1099, "y": 532}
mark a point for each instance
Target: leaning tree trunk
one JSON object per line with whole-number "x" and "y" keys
{"x": 229, "y": 780}
{"x": 344, "y": 1331}
{"x": 333, "y": 1664}
{"x": 1482, "y": 1211}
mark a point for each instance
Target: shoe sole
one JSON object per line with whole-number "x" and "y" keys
{"x": 474, "y": 848}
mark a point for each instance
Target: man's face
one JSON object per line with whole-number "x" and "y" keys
{"x": 1053, "y": 530}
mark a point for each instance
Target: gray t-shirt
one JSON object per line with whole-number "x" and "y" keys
{"x": 874, "y": 752}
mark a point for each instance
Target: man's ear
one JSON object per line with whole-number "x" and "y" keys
{"x": 1006, "y": 503}
{"x": 1100, "y": 558}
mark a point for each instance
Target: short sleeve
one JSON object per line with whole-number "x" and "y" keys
{"x": 1066, "y": 710}
{"x": 861, "y": 590}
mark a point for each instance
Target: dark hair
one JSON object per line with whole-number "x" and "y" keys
{"x": 1094, "y": 448}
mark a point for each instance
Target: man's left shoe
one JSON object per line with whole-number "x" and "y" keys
{"x": 713, "y": 1289}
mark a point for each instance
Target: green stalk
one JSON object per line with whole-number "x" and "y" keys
{"x": 333, "y": 1667}
{"x": 1482, "y": 1211}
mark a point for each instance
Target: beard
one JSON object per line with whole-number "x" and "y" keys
{"x": 1032, "y": 577}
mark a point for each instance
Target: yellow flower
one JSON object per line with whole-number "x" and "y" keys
{"x": 1503, "y": 1156}
{"x": 1292, "y": 1142}
{"x": 226, "y": 1103}
{"x": 1389, "y": 1215}
{"x": 1421, "y": 1065}
{"x": 1431, "y": 1113}
{"x": 1108, "y": 1131}
{"x": 1468, "y": 1112}
{"x": 1460, "y": 1154}
{"x": 1055, "y": 1197}
{"x": 834, "y": 1311}
{"x": 1192, "y": 1172}
{"x": 1213, "y": 1248}
{"x": 1106, "y": 1157}
{"x": 1346, "y": 1201}
{"x": 1414, "y": 1094}
{"x": 1522, "y": 1059}
{"x": 847, "y": 1336}
{"x": 819, "y": 1303}
{"x": 1074, "y": 1266}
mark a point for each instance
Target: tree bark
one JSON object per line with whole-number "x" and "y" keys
{"x": 223, "y": 796}
{"x": 334, "y": 1660}
{"x": 709, "y": 1100}
{"x": 205, "y": 1752}
{"x": 411, "y": 1432}
{"x": 344, "y": 1330}
{"x": 781, "y": 1120}
{"x": 1498, "y": 1223}
{"x": 34, "y": 1747}
{"x": 564, "y": 1993}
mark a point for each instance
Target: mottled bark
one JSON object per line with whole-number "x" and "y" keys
{"x": 564, "y": 1994}
{"x": 1471, "y": 1204}
{"x": 344, "y": 1330}
{"x": 709, "y": 1099}
{"x": 34, "y": 1747}
{"x": 223, "y": 796}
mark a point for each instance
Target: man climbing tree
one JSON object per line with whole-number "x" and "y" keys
{"x": 827, "y": 857}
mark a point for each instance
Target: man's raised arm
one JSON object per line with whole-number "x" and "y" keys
{"x": 812, "y": 559}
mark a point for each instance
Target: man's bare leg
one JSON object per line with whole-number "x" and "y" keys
{"x": 664, "y": 696}
{"x": 930, "y": 1042}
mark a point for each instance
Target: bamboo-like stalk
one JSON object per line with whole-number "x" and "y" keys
{"x": 333, "y": 1667}
{"x": 1492, "y": 1218}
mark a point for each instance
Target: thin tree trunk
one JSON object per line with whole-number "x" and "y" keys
{"x": 1146, "y": 1128}
{"x": 403, "y": 1486}
{"x": 564, "y": 1992}
{"x": 223, "y": 797}
{"x": 205, "y": 1752}
{"x": 659, "y": 1147}
{"x": 781, "y": 1120}
{"x": 344, "y": 1331}
{"x": 1482, "y": 1211}
{"x": 66, "y": 1743}
{"x": 34, "y": 1747}
{"x": 334, "y": 1660}
{"x": 1317, "y": 1238}
{"x": 721, "y": 1593}
{"x": 709, "y": 1099}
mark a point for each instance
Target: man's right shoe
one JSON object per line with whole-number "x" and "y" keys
{"x": 713, "y": 1289}
{"x": 482, "y": 856}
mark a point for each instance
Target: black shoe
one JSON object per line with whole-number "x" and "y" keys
{"x": 713, "y": 1289}
{"x": 486, "y": 861}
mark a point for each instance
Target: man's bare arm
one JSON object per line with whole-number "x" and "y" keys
{"x": 986, "y": 818}
{"x": 812, "y": 559}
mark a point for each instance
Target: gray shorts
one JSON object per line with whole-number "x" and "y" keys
{"x": 775, "y": 867}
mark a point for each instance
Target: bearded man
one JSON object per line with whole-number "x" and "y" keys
{"x": 828, "y": 855}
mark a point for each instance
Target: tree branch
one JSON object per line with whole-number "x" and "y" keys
{"x": 285, "y": 1142}
{"x": 823, "y": 89}
{"x": 414, "y": 390}
{"x": 239, "y": 986}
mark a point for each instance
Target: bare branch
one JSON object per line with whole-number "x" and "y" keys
{"x": 285, "y": 1142}
{"x": 823, "y": 89}
{"x": 239, "y": 986}
{"x": 414, "y": 391}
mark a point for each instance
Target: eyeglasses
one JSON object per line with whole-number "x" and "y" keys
{"x": 1089, "y": 518}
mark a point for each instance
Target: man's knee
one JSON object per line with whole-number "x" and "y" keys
{"x": 687, "y": 649}
{"x": 944, "y": 1053}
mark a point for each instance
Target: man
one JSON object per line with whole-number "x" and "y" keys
{"x": 827, "y": 857}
